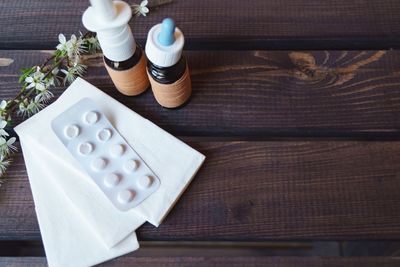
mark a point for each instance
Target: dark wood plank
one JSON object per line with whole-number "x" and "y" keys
{"x": 370, "y": 248}
{"x": 200, "y": 249}
{"x": 32, "y": 24}
{"x": 328, "y": 190}
{"x": 264, "y": 94}
{"x": 223, "y": 261}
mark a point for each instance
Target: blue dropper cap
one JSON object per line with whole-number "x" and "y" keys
{"x": 166, "y": 36}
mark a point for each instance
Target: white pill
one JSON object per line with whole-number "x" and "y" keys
{"x": 91, "y": 117}
{"x": 99, "y": 164}
{"x": 130, "y": 165}
{"x": 104, "y": 135}
{"x": 111, "y": 180}
{"x": 71, "y": 131}
{"x": 117, "y": 150}
{"x": 125, "y": 196}
{"x": 144, "y": 182}
{"x": 85, "y": 148}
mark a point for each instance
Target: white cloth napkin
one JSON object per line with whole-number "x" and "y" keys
{"x": 47, "y": 159}
{"x": 67, "y": 238}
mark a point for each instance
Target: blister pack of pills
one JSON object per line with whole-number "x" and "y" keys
{"x": 111, "y": 163}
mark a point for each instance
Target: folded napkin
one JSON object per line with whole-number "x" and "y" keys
{"x": 55, "y": 174}
{"x": 67, "y": 238}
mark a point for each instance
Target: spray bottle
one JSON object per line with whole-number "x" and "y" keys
{"x": 124, "y": 59}
{"x": 167, "y": 68}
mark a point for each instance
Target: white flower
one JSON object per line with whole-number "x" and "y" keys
{"x": 7, "y": 146}
{"x": 55, "y": 78}
{"x": 93, "y": 43}
{"x": 44, "y": 96}
{"x": 22, "y": 107}
{"x": 3, "y": 124}
{"x": 34, "y": 107}
{"x": 79, "y": 68}
{"x": 28, "y": 108}
{"x": 62, "y": 46}
{"x": 69, "y": 75}
{"x": 73, "y": 72}
{"x": 74, "y": 46}
{"x": 35, "y": 80}
{"x": 141, "y": 9}
{"x": 49, "y": 81}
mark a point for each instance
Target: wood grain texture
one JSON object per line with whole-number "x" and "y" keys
{"x": 264, "y": 94}
{"x": 370, "y": 248}
{"x": 202, "y": 248}
{"x": 287, "y": 190}
{"x": 36, "y": 24}
{"x": 222, "y": 261}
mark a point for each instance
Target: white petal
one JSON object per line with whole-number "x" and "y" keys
{"x": 40, "y": 86}
{"x": 55, "y": 71}
{"x": 38, "y": 75}
{"x": 3, "y": 104}
{"x": 145, "y": 9}
{"x": 29, "y": 79}
{"x": 61, "y": 38}
{"x": 30, "y": 86}
{"x": 3, "y": 133}
{"x": 3, "y": 124}
{"x": 30, "y": 106}
{"x": 144, "y": 3}
{"x": 11, "y": 141}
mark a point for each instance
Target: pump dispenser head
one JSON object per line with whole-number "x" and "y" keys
{"x": 164, "y": 44}
{"x": 109, "y": 19}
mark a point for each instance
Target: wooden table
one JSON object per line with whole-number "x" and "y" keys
{"x": 296, "y": 105}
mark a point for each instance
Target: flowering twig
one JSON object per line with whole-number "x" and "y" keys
{"x": 62, "y": 67}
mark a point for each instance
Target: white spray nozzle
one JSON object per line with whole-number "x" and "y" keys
{"x": 110, "y": 20}
{"x": 104, "y": 8}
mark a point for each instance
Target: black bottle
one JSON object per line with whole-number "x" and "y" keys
{"x": 167, "y": 75}
{"x": 167, "y": 69}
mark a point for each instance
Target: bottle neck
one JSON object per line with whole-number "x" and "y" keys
{"x": 126, "y": 64}
{"x": 167, "y": 75}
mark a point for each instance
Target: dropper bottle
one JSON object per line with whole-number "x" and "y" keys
{"x": 124, "y": 59}
{"x": 167, "y": 68}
